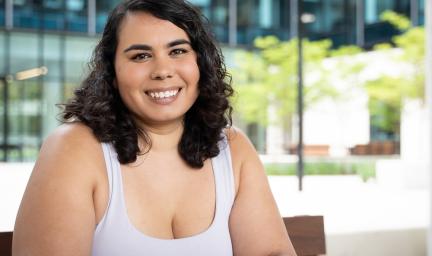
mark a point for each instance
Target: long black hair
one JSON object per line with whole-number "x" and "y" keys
{"x": 97, "y": 102}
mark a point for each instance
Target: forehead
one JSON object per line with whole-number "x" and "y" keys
{"x": 143, "y": 27}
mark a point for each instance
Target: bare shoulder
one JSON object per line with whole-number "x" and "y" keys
{"x": 240, "y": 145}
{"x": 71, "y": 136}
{"x": 57, "y": 213}
{"x": 256, "y": 226}
{"x": 242, "y": 151}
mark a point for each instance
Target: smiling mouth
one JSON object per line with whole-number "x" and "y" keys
{"x": 163, "y": 96}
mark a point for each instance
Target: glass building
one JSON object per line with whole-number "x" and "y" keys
{"x": 46, "y": 44}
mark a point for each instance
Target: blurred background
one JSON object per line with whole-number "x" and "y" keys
{"x": 340, "y": 118}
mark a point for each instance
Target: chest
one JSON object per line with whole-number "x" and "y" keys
{"x": 169, "y": 199}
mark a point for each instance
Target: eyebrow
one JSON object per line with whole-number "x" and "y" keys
{"x": 146, "y": 47}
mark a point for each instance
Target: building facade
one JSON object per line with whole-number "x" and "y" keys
{"x": 57, "y": 37}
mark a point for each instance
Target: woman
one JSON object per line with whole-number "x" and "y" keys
{"x": 146, "y": 162}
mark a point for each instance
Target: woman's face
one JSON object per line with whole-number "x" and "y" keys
{"x": 156, "y": 69}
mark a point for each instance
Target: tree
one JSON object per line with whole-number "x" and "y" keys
{"x": 387, "y": 93}
{"x": 267, "y": 77}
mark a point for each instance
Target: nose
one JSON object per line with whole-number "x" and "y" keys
{"x": 162, "y": 69}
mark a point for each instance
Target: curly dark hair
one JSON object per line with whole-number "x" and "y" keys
{"x": 97, "y": 103}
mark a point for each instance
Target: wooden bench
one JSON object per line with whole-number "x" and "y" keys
{"x": 306, "y": 234}
{"x": 6, "y": 243}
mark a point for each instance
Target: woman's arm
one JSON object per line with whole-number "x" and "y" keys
{"x": 256, "y": 226}
{"x": 57, "y": 216}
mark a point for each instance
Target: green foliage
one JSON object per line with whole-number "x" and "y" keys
{"x": 365, "y": 169}
{"x": 347, "y": 50}
{"x": 382, "y": 47}
{"x": 268, "y": 77}
{"x": 386, "y": 94}
{"x": 397, "y": 20}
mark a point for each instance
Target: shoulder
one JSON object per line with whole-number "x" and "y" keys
{"x": 71, "y": 139}
{"x": 71, "y": 147}
{"x": 254, "y": 207}
{"x": 241, "y": 147}
{"x": 242, "y": 153}
{"x": 59, "y": 194}
{"x": 74, "y": 133}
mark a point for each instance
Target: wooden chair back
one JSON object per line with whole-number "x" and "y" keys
{"x": 6, "y": 243}
{"x": 306, "y": 234}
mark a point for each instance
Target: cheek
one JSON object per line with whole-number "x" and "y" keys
{"x": 191, "y": 71}
{"x": 129, "y": 76}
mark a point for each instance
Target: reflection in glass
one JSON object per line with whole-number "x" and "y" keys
{"x": 216, "y": 11}
{"x": 260, "y": 18}
{"x": 334, "y": 19}
{"x": 2, "y": 13}
{"x": 377, "y": 31}
{"x": 421, "y": 12}
{"x": 103, "y": 9}
{"x": 69, "y": 15}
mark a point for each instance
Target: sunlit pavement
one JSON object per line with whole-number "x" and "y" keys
{"x": 350, "y": 205}
{"x": 359, "y": 217}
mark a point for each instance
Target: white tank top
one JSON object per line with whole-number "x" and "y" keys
{"x": 116, "y": 236}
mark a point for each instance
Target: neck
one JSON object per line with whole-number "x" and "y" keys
{"x": 164, "y": 137}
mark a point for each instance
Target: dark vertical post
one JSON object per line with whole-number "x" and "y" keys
{"x": 232, "y": 22}
{"x": 91, "y": 17}
{"x": 414, "y": 12}
{"x": 62, "y": 54}
{"x": 428, "y": 92}
{"x": 9, "y": 14}
{"x": 360, "y": 21}
{"x": 300, "y": 167}
{"x": 40, "y": 79}
{"x": 294, "y": 19}
{"x": 6, "y": 79}
{"x": 5, "y": 117}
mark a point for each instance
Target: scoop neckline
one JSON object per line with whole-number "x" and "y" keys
{"x": 195, "y": 236}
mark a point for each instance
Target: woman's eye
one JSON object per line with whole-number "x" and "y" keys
{"x": 141, "y": 56}
{"x": 178, "y": 51}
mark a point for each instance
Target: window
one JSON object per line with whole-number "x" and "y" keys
{"x": 334, "y": 19}
{"x": 103, "y": 8}
{"x": 216, "y": 11}
{"x": 69, "y": 15}
{"x": 261, "y": 18}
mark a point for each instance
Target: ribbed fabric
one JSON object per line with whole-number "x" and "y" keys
{"x": 116, "y": 236}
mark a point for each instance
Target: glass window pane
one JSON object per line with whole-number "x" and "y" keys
{"x": 3, "y": 51}
{"x": 333, "y": 19}
{"x": 374, "y": 8}
{"x": 103, "y": 9}
{"x": 2, "y": 13}
{"x": 27, "y": 14}
{"x": 377, "y": 31}
{"x": 25, "y": 97}
{"x": 69, "y": 15}
{"x": 421, "y": 12}
{"x": 272, "y": 19}
{"x": 76, "y": 15}
{"x": 77, "y": 54}
{"x": 216, "y": 11}
{"x": 53, "y": 15}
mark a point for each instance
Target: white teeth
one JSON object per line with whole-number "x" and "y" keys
{"x": 165, "y": 94}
